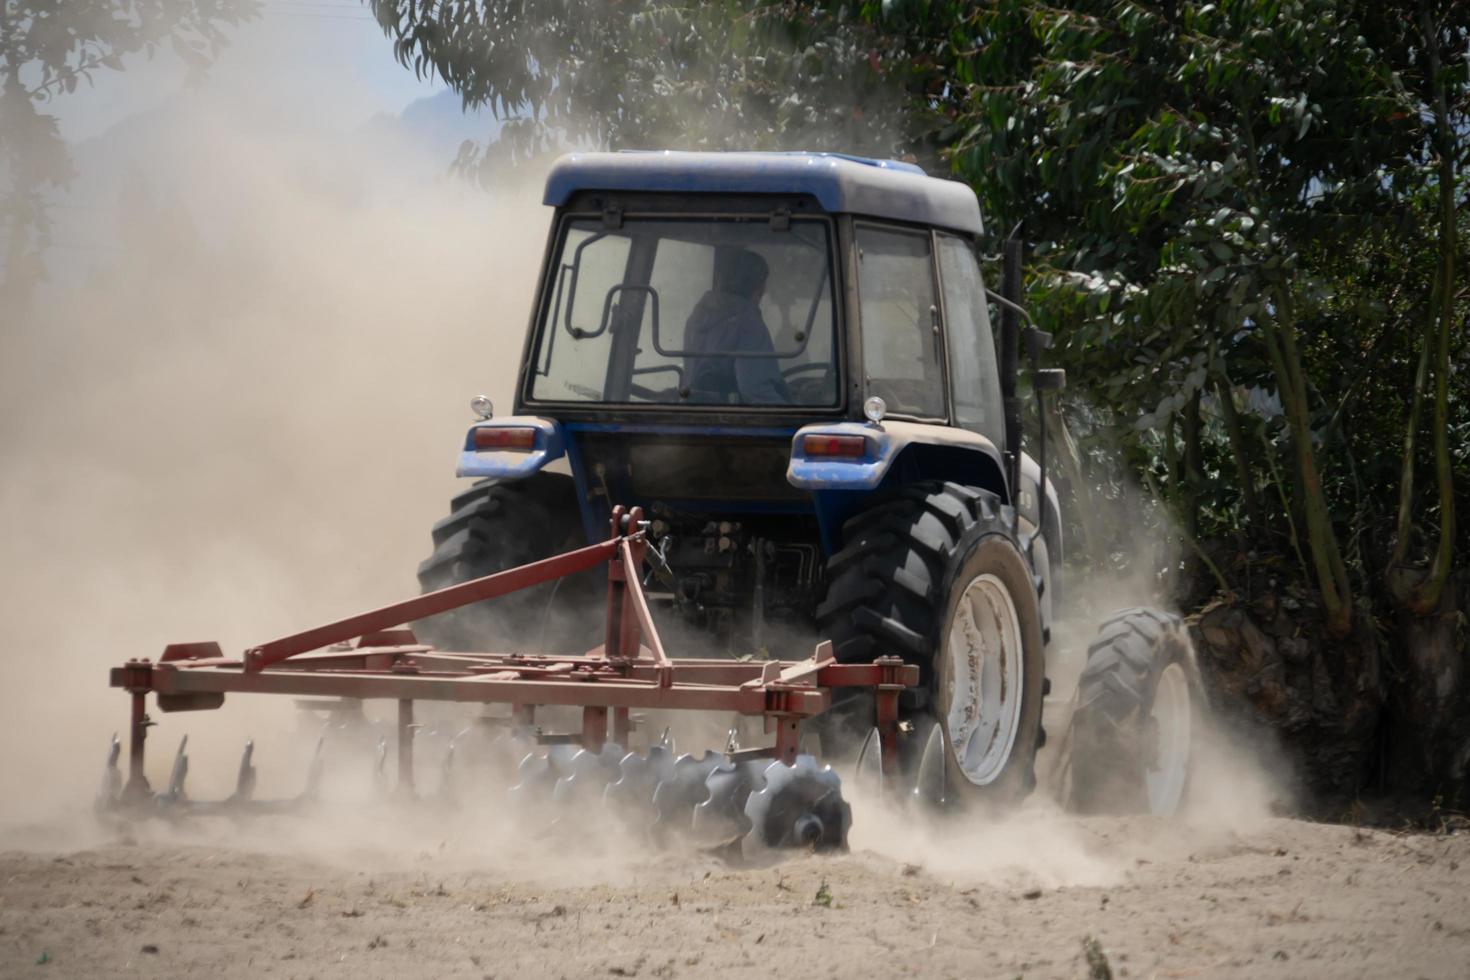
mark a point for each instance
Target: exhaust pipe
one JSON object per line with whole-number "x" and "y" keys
{"x": 1010, "y": 360}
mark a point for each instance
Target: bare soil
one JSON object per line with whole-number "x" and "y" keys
{"x": 1283, "y": 899}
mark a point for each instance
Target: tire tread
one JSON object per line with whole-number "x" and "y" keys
{"x": 1113, "y": 693}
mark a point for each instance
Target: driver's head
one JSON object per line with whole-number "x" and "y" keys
{"x": 743, "y": 273}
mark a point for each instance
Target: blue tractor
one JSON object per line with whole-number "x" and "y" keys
{"x": 788, "y": 361}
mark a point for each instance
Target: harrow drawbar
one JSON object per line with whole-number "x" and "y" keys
{"x": 769, "y": 797}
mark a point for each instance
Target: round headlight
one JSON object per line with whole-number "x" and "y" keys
{"x": 481, "y": 406}
{"x": 874, "y": 409}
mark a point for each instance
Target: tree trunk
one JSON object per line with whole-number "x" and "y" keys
{"x": 1193, "y": 469}
{"x": 1244, "y": 473}
{"x": 1279, "y": 330}
{"x": 1428, "y": 734}
{"x": 1423, "y": 597}
{"x": 1428, "y": 727}
{"x": 1400, "y": 575}
{"x": 1327, "y": 563}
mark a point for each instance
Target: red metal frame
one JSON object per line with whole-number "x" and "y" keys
{"x": 630, "y": 669}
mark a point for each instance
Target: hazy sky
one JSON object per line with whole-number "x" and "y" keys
{"x": 305, "y": 77}
{"x": 309, "y": 63}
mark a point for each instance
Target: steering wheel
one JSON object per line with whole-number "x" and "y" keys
{"x": 658, "y": 395}
{"x": 814, "y": 366}
{"x": 810, "y": 390}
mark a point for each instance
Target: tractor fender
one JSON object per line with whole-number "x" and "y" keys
{"x": 896, "y": 453}
{"x": 915, "y": 446}
{"x": 1030, "y": 477}
{"x": 978, "y": 463}
{"x": 548, "y": 443}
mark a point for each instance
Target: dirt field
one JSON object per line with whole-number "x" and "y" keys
{"x": 1286, "y": 899}
{"x": 282, "y": 400}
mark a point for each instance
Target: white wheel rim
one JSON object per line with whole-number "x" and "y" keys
{"x": 1171, "y": 727}
{"x": 985, "y": 679}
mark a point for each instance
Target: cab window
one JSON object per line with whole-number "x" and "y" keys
{"x": 690, "y": 311}
{"x": 975, "y": 380}
{"x": 901, "y": 350}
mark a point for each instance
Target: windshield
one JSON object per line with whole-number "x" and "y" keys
{"x": 690, "y": 311}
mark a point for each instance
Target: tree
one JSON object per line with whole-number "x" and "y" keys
{"x": 1446, "y": 122}
{"x": 1176, "y": 164}
{"x": 675, "y": 74}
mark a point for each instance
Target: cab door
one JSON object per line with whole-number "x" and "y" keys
{"x": 974, "y": 376}
{"x": 898, "y": 299}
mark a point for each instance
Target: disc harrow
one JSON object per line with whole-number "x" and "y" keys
{"x": 757, "y": 800}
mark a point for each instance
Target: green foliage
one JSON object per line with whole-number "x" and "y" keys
{"x": 673, "y": 74}
{"x": 1234, "y": 209}
{"x": 1168, "y": 169}
{"x": 1228, "y": 197}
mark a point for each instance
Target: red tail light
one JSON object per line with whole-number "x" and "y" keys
{"x": 492, "y": 437}
{"x": 847, "y": 446}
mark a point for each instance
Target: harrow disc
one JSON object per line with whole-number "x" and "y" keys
{"x": 868, "y": 774}
{"x": 631, "y": 795}
{"x": 508, "y": 749}
{"x": 675, "y": 798}
{"x": 799, "y": 806}
{"x": 588, "y": 775}
{"x": 722, "y": 814}
{"x": 539, "y": 773}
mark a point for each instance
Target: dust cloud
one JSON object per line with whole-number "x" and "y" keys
{"x": 1238, "y": 778}
{"x": 242, "y": 420}
{"x": 239, "y": 420}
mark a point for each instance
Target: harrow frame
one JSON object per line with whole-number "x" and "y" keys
{"x": 373, "y": 656}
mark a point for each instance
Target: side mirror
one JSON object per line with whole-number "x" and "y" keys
{"x": 1050, "y": 379}
{"x": 1037, "y": 341}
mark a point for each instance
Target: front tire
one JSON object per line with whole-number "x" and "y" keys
{"x": 935, "y": 576}
{"x": 1138, "y": 717}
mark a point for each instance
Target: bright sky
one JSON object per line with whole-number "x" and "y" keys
{"x": 316, "y": 64}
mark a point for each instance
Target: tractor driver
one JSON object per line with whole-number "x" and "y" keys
{"x": 727, "y": 323}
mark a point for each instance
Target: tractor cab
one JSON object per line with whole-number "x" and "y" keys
{"x": 730, "y": 300}
{"x": 755, "y": 287}
{"x": 750, "y": 346}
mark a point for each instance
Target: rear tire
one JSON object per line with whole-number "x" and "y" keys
{"x": 493, "y": 526}
{"x": 1136, "y": 724}
{"x": 934, "y": 575}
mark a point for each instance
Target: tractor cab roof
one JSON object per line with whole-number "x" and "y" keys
{"x": 841, "y": 184}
